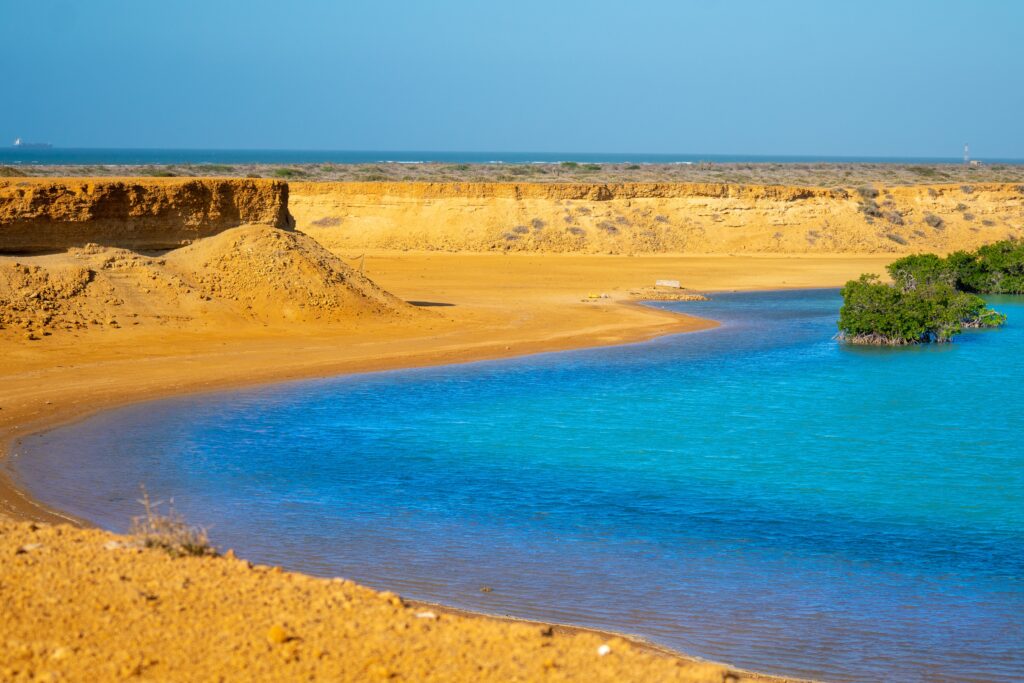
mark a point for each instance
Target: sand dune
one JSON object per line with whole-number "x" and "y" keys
{"x": 250, "y": 274}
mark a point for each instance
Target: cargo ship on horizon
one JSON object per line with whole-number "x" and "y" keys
{"x": 20, "y": 144}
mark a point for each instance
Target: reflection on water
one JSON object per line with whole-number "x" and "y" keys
{"x": 756, "y": 494}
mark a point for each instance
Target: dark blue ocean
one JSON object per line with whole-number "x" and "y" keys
{"x": 757, "y": 494}
{"x": 57, "y": 156}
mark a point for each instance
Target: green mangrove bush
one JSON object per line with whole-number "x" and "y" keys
{"x": 931, "y": 299}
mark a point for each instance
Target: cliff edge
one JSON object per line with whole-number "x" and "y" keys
{"x": 40, "y": 215}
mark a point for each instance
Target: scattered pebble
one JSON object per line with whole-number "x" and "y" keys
{"x": 277, "y": 634}
{"x": 604, "y": 650}
{"x": 426, "y": 615}
{"x": 28, "y": 547}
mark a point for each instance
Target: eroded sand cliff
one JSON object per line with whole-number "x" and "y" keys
{"x": 653, "y": 218}
{"x": 39, "y": 215}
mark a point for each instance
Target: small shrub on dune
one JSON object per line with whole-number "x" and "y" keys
{"x": 169, "y": 531}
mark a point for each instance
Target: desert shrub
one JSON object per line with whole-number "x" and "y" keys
{"x": 968, "y": 216}
{"x": 327, "y": 222}
{"x": 608, "y": 227}
{"x": 867, "y": 192}
{"x": 215, "y": 168}
{"x": 169, "y": 531}
{"x": 870, "y": 208}
{"x": 933, "y": 220}
{"x": 520, "y": 230}
{"x": 510, "y": 236}
{"x": 923, "y": 171}
{"x": 967, "y": 189}
{"x": 961, "y": 207}
{"x": 932, "y": 192}
{"x": 661, "y": 219}
{"x": 569, "y": 164}
{"x": 287, "y": 173}
{"x": 895, "y": 238}
{"x": 569, "y": 218}
{"x": 622, "y": 220}
{"x": 987, "y": 222}
{"x": 583, "y": 210}
{"x": 894, "y": 217}
{"x": 633, "y": 167}
{"x": 11, "y": 172}
{"x": 579, "y": 232}
{"x": 537, "y": 224}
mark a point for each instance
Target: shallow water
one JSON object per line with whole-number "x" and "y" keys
{"x": 756, "y": 494}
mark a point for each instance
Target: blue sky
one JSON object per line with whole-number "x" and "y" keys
{"x": 872, "y": 77}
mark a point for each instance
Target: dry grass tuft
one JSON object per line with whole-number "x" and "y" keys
{"x": 169, "y": 531}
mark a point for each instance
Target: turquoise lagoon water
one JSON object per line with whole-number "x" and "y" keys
{"x": 757, "y": 494}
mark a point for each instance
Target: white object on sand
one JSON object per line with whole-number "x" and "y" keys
{"x": 674, "y": 284}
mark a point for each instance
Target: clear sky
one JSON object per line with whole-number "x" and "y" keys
{"x": 813, "y": 77}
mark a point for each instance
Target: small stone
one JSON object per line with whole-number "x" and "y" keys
{"x": 113, "y": 545}
{"x": 392, "y": 598}
{"x": 29, "y": 547}
{"x": 604, "y": 650}
{"x": 61, "y": 653}
{"x": 426, "y": 615}
{"x": 277, "y": 634}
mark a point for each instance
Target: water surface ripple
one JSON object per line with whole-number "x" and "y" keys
{"x": 756, "y": 494}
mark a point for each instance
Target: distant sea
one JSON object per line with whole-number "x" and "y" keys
{"x": 59, "y": 156}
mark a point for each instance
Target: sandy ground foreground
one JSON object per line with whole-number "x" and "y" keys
{"x": 86, "y": 608}
{"x": 91, "y": 606}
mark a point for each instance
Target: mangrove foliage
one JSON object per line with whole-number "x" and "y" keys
{"x": 931, "y": 299}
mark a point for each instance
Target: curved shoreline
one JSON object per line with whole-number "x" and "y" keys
{"x": 18, "y": 504}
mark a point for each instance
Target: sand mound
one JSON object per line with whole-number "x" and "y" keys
{"x": 274, "y": 274}
{"x": 32, "y": 296}
{"x": 248, "y": 274}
